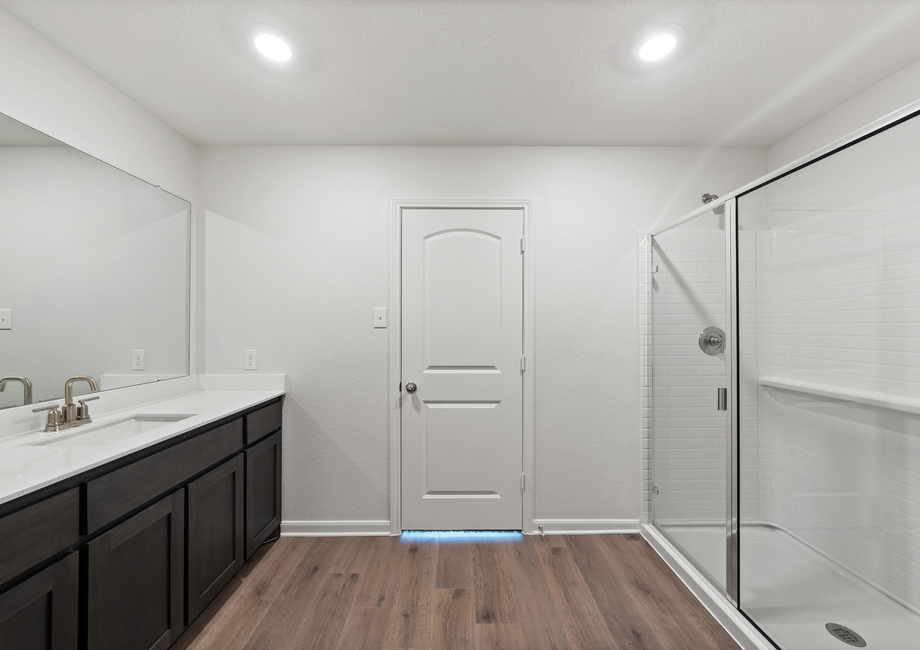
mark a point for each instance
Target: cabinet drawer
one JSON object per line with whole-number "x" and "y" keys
{"x": 34, "y": 534}
{"x": 263, "y": 422}
{"x": 118, "y": 493}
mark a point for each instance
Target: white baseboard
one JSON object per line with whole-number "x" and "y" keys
{"x": 585, "y": 526}
{"x": 740, "y": 629}
{"x": 348, "y": 528}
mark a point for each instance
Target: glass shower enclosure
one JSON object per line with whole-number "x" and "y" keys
{"x": 782, "y": 347}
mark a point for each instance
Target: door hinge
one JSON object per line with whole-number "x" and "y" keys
{"x": 522, "y": 244}
{"x": 523, "y": 364}
{"x": 522, "y": 481}
{"x": 400, "y": 387}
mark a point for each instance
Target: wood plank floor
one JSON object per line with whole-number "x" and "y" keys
{"x": 455, "y": 591}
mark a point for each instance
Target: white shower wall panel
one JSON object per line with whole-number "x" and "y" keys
{"x": 839, "y": 305}
{"x": 688, "y": 295}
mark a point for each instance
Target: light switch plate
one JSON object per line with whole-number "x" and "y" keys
{"x": 138, "y": 359}
{"x": 380, "y": 317}
{"x": 6, "y": 319}
{"x": 250, "y": 360}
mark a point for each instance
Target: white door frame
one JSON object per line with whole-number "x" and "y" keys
{"x": 395, "y": 350}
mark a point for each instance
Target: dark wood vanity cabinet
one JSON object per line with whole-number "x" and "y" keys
{"x": 41, "y": 613}
{"x": 135, "y": 580}
{"x": 263, "y": 491}
{"x": 215, "y": 532}
{"x": 125, "y": 556}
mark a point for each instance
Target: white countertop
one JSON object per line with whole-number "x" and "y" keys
{"x": 25, "y": 468}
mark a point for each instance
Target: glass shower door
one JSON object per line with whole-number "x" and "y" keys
{"x": 829, "y": 369}
{"x": 688, "y": 369}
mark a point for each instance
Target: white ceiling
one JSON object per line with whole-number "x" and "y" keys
{"x": 502, "y": 72}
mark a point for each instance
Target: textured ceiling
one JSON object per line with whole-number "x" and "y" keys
{"x": 499, "y": 72}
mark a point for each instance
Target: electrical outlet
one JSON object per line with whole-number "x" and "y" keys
{"x": 380, "y": 317}
{"x": 250, "y": 360}
{"x": 6, "y": 319}
{"x": 138, "y": 359}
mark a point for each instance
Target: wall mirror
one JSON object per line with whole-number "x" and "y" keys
{"x": 95, "y": 266}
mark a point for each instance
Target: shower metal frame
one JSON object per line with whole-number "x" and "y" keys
{"x": 730, "y": 203}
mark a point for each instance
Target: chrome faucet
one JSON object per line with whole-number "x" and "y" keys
{"x": 26, "y": 388}
{"x": 74, "y": 416}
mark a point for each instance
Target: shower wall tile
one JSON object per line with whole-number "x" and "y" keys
{"x": 684, "y": 296}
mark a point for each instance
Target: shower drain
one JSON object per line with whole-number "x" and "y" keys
{"x": 846, "y": 635}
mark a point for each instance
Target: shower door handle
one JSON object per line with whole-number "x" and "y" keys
{"x": 722, "y": 399}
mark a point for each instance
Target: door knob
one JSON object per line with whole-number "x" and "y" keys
{"x": 410, "y": 387}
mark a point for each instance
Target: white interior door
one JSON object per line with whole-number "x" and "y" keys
{"x": 462, "y": 347}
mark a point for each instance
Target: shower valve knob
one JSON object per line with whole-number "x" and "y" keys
{"x": 712, "y": 341}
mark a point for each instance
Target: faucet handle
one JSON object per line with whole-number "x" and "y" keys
{"x": 54, "y": 417}
{"x": 83, "y": 409}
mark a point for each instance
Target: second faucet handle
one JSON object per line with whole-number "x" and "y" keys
{"x": 55, "y": 419}
{"x": 83, "y": 409}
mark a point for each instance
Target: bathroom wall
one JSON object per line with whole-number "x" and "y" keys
{"x": 895, "y": 92}
{"x": 298, "y": 256}
{"x": 50, "y": 91}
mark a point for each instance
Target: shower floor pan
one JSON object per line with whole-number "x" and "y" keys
{"x": 792, "y": 592}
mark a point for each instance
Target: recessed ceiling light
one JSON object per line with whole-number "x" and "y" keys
{"x": 273, "y": 47}
{"x": 659, "y": 42}
{"x": 272, "y": 43}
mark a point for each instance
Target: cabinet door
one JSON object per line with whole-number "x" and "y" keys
{"x": 41, "y": 613}
{"x": 215, "y": 532}
{"x": 263, "y": 491}
{"x": 135, "y": 578}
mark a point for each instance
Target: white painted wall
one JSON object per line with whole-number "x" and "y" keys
{"x": 45, "y": 88}
{"x": 895, "y": 92}
{"x": 297, "y": 258}
{"x": 50, "y": 91}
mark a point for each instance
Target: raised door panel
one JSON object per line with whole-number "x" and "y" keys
{"x": 41, "y": 613}
{"x": 215, "y": 533}
{"x": 263, "y": 492}
{"x": 135, "y": 575}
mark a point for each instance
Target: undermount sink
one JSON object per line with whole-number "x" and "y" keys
{"x": 110, "y": 432}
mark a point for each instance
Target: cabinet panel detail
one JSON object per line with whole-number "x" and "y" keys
{"x": 36, "y": 533}
{"x": 263, "y": 491}
{"x": 135, "y": 575}
{"x": 41, "y": 613}
{"x": 118, "y": 493}
{"x": 215, "y": 533}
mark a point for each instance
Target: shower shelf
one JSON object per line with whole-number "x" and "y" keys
{"x": 855, "y": 395}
